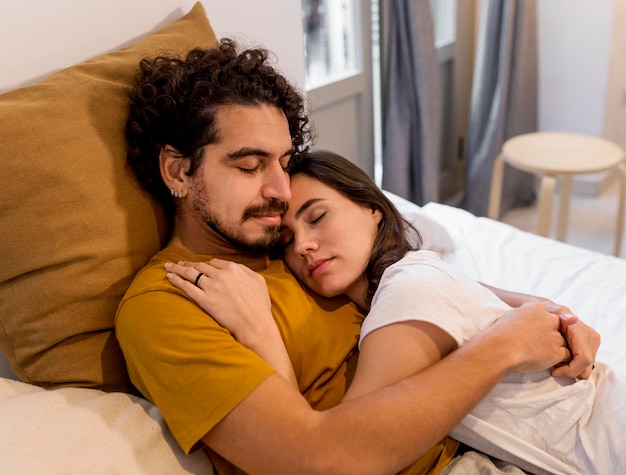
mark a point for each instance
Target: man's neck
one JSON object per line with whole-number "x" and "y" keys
{"x": 208, "y": 242}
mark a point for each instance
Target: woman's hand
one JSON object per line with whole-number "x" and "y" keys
{"x": 237, "y": 298}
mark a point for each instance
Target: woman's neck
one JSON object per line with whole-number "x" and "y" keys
{"x": 358, "y": 293}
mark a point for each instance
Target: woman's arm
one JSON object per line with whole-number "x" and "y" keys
{"x": 397, "y": 351}
{"x": 237, "y": 298}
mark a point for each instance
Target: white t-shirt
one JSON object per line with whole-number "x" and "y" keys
{"x": 540, "y": 423}
{"x": 423, "y": 287}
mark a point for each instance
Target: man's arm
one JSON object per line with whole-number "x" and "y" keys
{"x": 582, "y": 340}
{"x": 274, "y": 430}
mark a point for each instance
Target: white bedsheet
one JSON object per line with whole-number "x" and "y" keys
{"x": 593, "y": 285}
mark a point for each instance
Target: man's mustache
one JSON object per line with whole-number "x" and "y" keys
{"x": 273, "y": 206}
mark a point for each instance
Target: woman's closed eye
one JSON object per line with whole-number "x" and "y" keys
{"x": 316, "y": 218}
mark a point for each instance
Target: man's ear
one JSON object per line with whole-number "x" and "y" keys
{"x": 173, "y": 166}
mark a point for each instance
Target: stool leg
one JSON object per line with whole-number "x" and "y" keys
{"x": 496, "y": 187}
{"x": 566, "y": 193}
{"x": 546, "y": 195}
{"x": 620, "y": 210}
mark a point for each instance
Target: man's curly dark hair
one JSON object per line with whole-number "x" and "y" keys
{"x": 174, "y": 102}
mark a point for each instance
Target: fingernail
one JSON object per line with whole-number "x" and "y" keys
{"x": 168, "y": 266}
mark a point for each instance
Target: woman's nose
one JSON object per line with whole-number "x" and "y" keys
{"x": 304, "y": 245}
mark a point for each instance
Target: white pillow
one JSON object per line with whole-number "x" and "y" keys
{"x": 434, "y": 236}
{"x": 78, "y": 430}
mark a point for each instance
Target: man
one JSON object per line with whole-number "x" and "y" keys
{"x": 210, "y": 137}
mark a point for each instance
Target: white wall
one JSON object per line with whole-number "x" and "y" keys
{"x": 40, "y": 36}
{"x": 615, "y": 119}
{"x": 574, "y": 57}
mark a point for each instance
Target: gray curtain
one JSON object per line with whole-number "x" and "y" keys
{"x": 503, "y": 100}
{"x": 412, "y": 129}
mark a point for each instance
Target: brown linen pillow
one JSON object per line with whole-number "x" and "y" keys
{"x": 75, "y": 225}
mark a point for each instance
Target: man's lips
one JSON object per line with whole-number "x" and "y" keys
{"x": 318, "y": 267}
{"x": 270, "y": 211}
{"x": 274, "y": 219}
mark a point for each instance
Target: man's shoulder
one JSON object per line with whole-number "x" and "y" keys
{"x": 150, "y": 284}
{"x": 153, "y": 273}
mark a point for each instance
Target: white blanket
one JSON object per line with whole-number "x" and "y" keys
{"x": 593, "y": 285}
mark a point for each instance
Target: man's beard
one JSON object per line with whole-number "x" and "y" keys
{"x": 236, "y": 237}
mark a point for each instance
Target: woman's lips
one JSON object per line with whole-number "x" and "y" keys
{"x": 316, "y": 268}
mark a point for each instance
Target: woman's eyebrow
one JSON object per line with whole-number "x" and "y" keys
{"x": 306, "y": 205}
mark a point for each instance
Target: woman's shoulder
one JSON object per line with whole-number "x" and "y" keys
{"x": 417, "y": 266}
{"x": 424, "y": 259}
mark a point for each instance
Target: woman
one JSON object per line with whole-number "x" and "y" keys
{"x": 341, "y": 235}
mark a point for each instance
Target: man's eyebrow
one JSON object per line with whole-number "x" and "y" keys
{"x": 307, "y": 205}
{"x": 247, "y": 152}
{"x": 250, "y": 151}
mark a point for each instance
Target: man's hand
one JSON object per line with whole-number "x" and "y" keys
{"x": 583, "y": 342}
{"x": 532, "y": 337}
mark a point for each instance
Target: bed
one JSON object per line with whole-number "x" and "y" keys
{"x": 76, "y": 228}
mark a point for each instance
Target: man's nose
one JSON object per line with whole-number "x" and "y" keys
{"x": 277, "y": 183}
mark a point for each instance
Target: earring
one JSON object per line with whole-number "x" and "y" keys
{"x": 175, "y": 193}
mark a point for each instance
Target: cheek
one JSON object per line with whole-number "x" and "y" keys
{"x": 294, "y": 263}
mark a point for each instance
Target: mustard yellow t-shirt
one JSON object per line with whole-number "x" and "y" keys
{"x": 169, "y": 342}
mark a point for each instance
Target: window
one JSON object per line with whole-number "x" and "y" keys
{"x": 331, "y": 40}
{"x": 444, "y": 21}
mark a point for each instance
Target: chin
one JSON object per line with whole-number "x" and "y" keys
{"x": 328, "y": 293}
{"x": 262, "y": 242}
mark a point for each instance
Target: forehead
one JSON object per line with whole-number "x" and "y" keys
{"x": 255, "y": 123}
{"x": 306, "y": 187}
{"x": 307, "y": 191}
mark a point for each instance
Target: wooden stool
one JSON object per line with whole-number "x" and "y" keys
{"x": 553, "y": 155}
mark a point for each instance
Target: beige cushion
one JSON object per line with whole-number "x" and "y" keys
{"x": 85, "y": 431}
{"x": 75, "y": 226}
